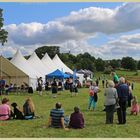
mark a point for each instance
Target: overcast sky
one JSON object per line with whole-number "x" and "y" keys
{"x": 106, "y": 30}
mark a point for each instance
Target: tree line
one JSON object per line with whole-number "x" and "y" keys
{"x": 86, "y": 61}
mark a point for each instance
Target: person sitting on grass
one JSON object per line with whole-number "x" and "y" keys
{"x": 76, "y": 119}
{"x": 56, "y": 119}
{"x": 5, "y": 111}
{"x": 135, "y": 106}
{"x": 29, "y": 109}
{"x": 17, "y": 113}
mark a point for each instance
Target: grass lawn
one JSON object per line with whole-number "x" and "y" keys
{"x": 95, "y": 126}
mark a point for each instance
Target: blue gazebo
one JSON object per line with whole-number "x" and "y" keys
{"x": 57, "y": 74}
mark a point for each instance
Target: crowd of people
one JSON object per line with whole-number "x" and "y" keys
{"x": 117, "y": 98}
{"x": 56, "y": 119}
{"x": 57, "y": 85}
{"x": 54, "y": 85}
{"x": 5, "y": 88}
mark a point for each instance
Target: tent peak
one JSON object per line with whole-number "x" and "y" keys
{"x": 46, "y": 56}
{"x": 56, "y": 57}
{"x": 33, "y": 56}
{"x": 18, "y": 55}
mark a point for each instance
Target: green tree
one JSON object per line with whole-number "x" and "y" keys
{"x": 115, "y": 63}
{"x": 100, "y": 64}
{"x": 51, "y": 50}
{"x": 138, "y": 65}
{"x": 128, "y": 63}
{"x": 3, "y": 33}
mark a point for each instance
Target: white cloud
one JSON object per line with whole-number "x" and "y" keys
{"x": 109, "y": 21}
{"x": 35, "y": 33}
{"x": 72, "y": 32}
{"x": 128, "y": 45}
{"x": 76, "y": 47}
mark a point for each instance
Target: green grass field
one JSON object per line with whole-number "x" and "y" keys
{"x": 95, "y": 126}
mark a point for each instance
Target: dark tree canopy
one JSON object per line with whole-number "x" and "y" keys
{"x": 51, "y": 50}
{"x": 3, "y": 33}
{"x": 128, "y": 63}
{"x": 138, "y": 65}
{"x": 100, "y": 64}
{"x": 115, "y": 63}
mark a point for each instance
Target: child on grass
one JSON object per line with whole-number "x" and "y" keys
{"x": 135, "y": 106}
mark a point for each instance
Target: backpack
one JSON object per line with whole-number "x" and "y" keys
{"x": 91, "y": 92}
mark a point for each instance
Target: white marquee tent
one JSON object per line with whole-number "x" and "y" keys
{"x": 34, "y": 68}
{"x": 61, "y": 66}
{"x": 47, "y": 61}
{"x": 20, "y": 62}
{"x": 37, "y": 64}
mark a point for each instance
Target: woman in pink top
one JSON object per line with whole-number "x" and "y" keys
{"x": 5, "y": 110}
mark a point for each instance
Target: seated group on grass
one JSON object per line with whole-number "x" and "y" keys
{"x": 58, "y": 120}
{"x": 6, "y": 113}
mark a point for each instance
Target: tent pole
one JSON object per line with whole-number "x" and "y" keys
{"x": 16, "y": 83}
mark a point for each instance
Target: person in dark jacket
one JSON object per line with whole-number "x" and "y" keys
{"x": 54, "y": 88}
{"x": 76, "y": 119}
{"x": 123, "y": 92}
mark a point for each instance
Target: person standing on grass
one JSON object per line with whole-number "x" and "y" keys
{"x": 130, "y": 94}
{"x": 115, "y": 78}
{"x": 76, "y": 119}
{"x": 5, "y": 111}
{"x": 123, "y": 92}
{"x": 71, "y": 87}
{"x": 132, "y": 84}
{"x": 56, "y": 119}
{"x": 111, "y": 97}
{"x": 103, "y": 83}
{"x": 75, "y": 87}
{"x": 106, "y": 83}
{"x": 54, "y": 88}
{"x": 97, "y": 82}
{"x": 40, "y": 84}
{"x": 2, "y": 86}
{"x": 93, "y": 90}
